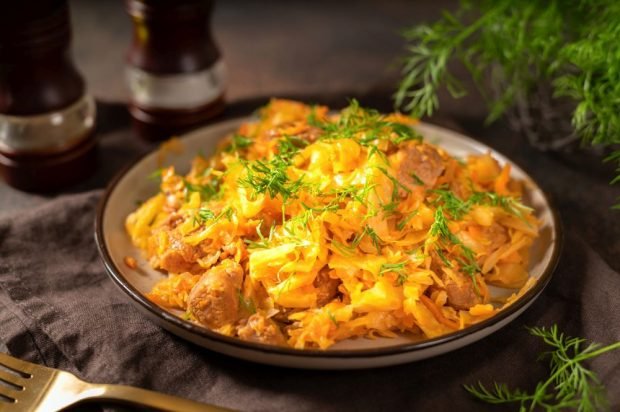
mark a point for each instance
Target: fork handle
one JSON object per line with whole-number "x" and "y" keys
{"x": 143, "y": 397}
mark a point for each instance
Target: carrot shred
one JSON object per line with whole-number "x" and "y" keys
{"x": 501, "y": 183}
{"x": 432, "y": 307}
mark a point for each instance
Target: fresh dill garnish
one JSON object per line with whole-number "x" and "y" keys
{"x": 401, "y": 278}
{"x": 509, "y": 204}
{"x": 156, "y": 175}
{"x": 457, "y": 208}
{"x": 391, "y": 267}
{"x": 374, "y": 150}
{"x": 350, "y": 248}
{"x": 403, "y": 133}
{"x": 238, "y": 142}
{"x": 389, "y": 208}
{"x": 343, "y": 249}
{"x": 331, "y": 317}
{"x": 366, "y": 126}
{"x": 270, "y": 176}
{"x": 355, "y": 192}
{"x": 451, "y": 203}
{"x": 247, "y": 304}
{"x": 327, "y": 208}
{"x": 298, "y": 221}
{"x": 395, "y": 184}
{"x": 285, "y": 284}
{"x": 407, "y": 219}
{"x": 398, "y": 269}
{"x": 440, "y": 229}
{"x": 206, "y": 190}
{"x": 374, "y": 238}
{"x": 205, "y": 214}
{"x": 570, "y": 385}
{"x": 357, "y": 239}
{"x": 443, "y": 257}
{"x": 312, "y": 118}
{"x": 470, "y": 268}
{"x": 263, "y": 242}
{"x": 206, "y": 172}
{"x": 511, "y": 49}
{"x": 416, "y": 179}
{"x": 228, "y": 212}
{"x": 288, "y": 146}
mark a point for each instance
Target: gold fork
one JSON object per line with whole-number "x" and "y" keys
{"x": 29, "y": 387}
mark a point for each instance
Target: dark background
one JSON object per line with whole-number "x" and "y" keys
{"x": 316, "y": 50}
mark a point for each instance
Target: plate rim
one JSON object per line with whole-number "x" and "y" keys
{"x": 138, "y": 297}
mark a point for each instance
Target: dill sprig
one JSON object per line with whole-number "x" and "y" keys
{"x": 508, "y": 203}
{"x": 401, "y": 225}
{"x": 271, "y": 176}
{"x": 246, "y": 303}
{"x": 398, "y": 269}
{"x": 156, "y": 175}
{"x": 355, "y": 192}
{"x": 205, "y": 214}
{"x": 570, "y": 385}
{"x": 457, "y": 207}
{"x": 263, "y": 242}
{"x": 238, "y": 142}
{"x": 367, "y": 231}
{"x": 207, "y": 190}
{"x": 331, "y": 317}
{"x": 511, "y": 48}
{"x": 366, "y": 126}
{"x": 440, "y": 230}
{"x": 396, "y": 184}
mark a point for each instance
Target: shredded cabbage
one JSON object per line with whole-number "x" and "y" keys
{"x": 345, "y": 225}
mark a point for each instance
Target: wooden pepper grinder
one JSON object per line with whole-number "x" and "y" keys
{"x": 175, "y": 74}
{"x": 46, "y": 118}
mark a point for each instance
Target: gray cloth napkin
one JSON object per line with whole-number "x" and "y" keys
{"x": 58, "y": 308}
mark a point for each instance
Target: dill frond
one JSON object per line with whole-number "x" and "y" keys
{"x": 570, "y": 384}
{"x": 510, "y": 48}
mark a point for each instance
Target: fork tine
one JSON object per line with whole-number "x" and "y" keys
{"x": 8, "y": 392}
{"x": 12, "y": 379}
{"x": 17, "y": 365}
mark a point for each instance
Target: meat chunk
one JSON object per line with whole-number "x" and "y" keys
{"x": 462, "y": 293}
{"x": 180, "y": 258}
{"x": 327, "y": 287}
{"x": 214, "y": 300}
{"x": 258, "y": 328}
{"x": 418, "y": 163}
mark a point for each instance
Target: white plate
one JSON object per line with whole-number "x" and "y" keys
{"x": 132, "y": 185}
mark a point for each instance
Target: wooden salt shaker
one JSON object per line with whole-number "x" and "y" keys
{"x": 46, "y": 117}
{"x": 175, "y": 74}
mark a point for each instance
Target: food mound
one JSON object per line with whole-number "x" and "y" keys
{"x": 306, "y": 228}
